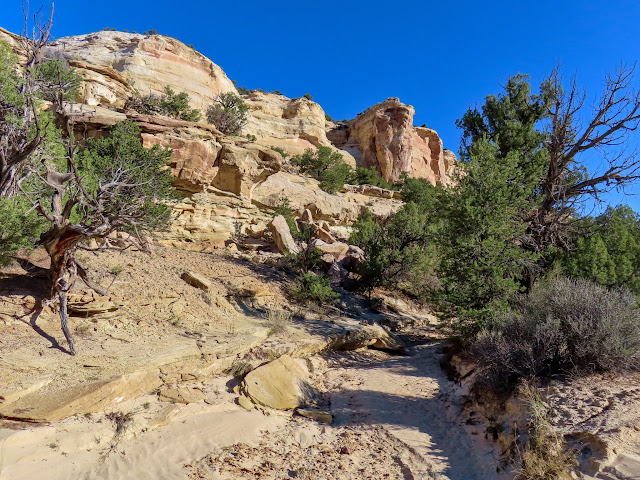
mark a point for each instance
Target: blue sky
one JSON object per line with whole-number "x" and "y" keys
{"x": 439, "y": 56}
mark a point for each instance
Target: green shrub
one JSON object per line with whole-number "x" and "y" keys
{"x": 325, "y": 165}
{"x": 19, "y": 228}
{"x": 57, "y": 78}
{"x": 308, "y": 96}
{"x": 171, "y": 104}
{"x": 229, "y": 114}
{"x": 251, "y": 138}
{"x": 281, "y": 151}
{"x": 328, "y": 118}
{"x": 243, "y": 90}
{"x": 153, "y": 31}
{"x": 562, "y": 327}
{"x": 369, "y": 176}
{"x": 315, "y": 288}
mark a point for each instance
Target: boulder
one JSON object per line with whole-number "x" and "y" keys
{"x": 196, "y": 280}
{"x": 364, "y": 336}
{"x": 282, "y": 235}
{"x": 325, "y": 236}
{"x": 317, "y": 415}
{"x": 337, "y": 249}
{"x": 282, "y": 384}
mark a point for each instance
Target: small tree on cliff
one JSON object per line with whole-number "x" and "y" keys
{"x": 229, "y": 114}
{"x": 326, "y": 165}
{"x": 115, "y": 184}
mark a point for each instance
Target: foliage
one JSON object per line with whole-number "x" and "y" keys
{"x": 328, "y": 118}
{"x": 55, "y": 77}
{"x": 610, "y": 256}
{"x": 325, "y": 165}
{"x": 545, "y": 455}
{"x": 170, "y": 103}
{"x": 562, "y": 327}
{"x": 316, "y": 288}
{"x": 125, "y": 182}
{"x": 482, "y": 223}
{"x": 152, "y": 31}
{"x": 251, "y": 138}
{"x": 369, "y": 176}
{"x": 19, "y": 227}
{"x": 229, "y": 114}
{"x": 308, "y": 96}
{"x": 281, "y": 151}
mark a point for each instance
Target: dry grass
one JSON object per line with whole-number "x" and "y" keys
{"x": 545, "y": 455}
{"x": 278, "y": 322}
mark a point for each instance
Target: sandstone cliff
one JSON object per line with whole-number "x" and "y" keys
{"x": 384, "y": 137}
{"x": 113, "y": 63}
{"x": 229, "y": 183}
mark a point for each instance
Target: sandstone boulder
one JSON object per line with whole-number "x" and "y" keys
{"x": 196, "y": 280}
{"x": 282, "y": 384}
{"x": 364, "y": 336}
{"x": 338, "y": 249}
{"x": 282, "y": 235}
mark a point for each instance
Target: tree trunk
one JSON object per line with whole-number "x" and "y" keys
{"x": 61, "y": 245}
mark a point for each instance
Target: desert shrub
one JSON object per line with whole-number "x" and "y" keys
{"x": 278, "y": 321}
{"x": 283, "y": 207}
{"x": 310, "y": 286}
{"x": 251, "y": 138}
{"x": 281, "y": 151}
{"x": 153, "y": 31}
{"x": 369, "y": 176}
{"x": 545, "y": 455}
{"x": 325, "y": 165}
{"x": 19, "y": 227}
{"x": 170, "y": 103}
{"x": 328, "y": 118}
{"x": 229, "y": 114}
{"x": 397, "y": 249}
{"x": 562, "y": 327}
{"x": 308, "y": 96}
{"x": 55, "y": 77}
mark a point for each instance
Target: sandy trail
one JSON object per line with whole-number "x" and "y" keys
{"x": 413, "y": 400}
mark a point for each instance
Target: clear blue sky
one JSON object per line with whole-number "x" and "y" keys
{"x": 439, "y": 56}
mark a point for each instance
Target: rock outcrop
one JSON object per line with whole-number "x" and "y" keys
{"x": 230, "y": 184}
{"x": 112, "y": 64}
{"x": 291, "y": 124}
{"x": 282, "y": 384}
{"x": 384, "y": 137}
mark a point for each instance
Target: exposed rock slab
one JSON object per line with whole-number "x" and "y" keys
{"x": 113, "y": 63}
{"x": 281, "y": 384}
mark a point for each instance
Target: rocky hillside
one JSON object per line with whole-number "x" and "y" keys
{"x": 230, "y": 182}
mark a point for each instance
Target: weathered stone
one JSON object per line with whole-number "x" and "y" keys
{"x": 366, "y": 336}
{"x": 52, "y": 405}
{"x": 337, "y": 249}
{"x": 113, "y": 63}
{"x": 317, "y": 415}
{"x": 245, "y": 403}
{"x": 196, "y": 280}
{"x": 282, "y": 235}
{"x": 325, "y": 236}
{"x": 181, "y": 394}
{"x": 281, "y": 384}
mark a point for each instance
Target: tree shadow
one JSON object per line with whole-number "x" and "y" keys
{"x": 33, "y": 284}
{"x": 432, "y": 420}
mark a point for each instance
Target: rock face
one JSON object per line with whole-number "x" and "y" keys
{"x": 230, "y": 184}
{"x": 281, "y": 384}
{"x": 384, "y": 137}
{"x": 291, "y": 124}
{"x": 113, "y": 63}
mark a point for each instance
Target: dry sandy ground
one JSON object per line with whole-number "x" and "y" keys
{"x": 395, "y": 416}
